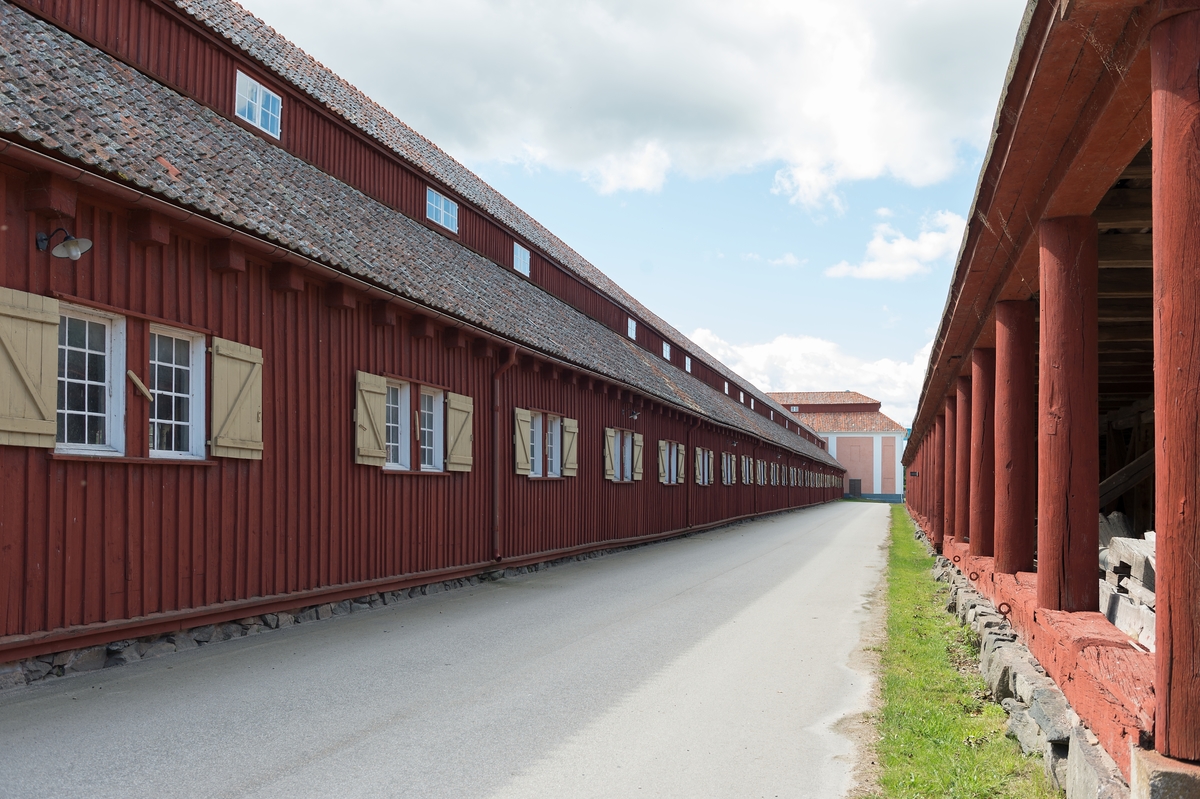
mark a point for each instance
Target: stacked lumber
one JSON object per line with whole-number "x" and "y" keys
{"x": 1127, "y": 565}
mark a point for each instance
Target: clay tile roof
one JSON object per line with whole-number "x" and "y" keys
{"x": 274, "y": 52}
{"x": 821, "y": 398}
{"x": 854, "y": 422}
{"x": 113, "y": 120}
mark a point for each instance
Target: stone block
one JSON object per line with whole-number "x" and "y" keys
{"x": 228, "y": 630}
{"x": 436, "y": 588}
{"x": 285, "y": 619}
{"x": 1050, "y": 710}
{"x": 182, "y": 641}
{"x": 1153, "y": 776}
{"x": 128, "y": 654}
{"x": 11, "y": 676}
{"x": 89, "y": 659}
{"x": 271, "y": 620}
{"x": 341, "y": 608}
{"x": 62, "y": 658}
{"x": 1054, "y": 762}
{"x": 997, "y": 671}
{"x": 306, "y": 616}
{"x": 359, "y": 607}
{"x": 35, "y": 669}
{"x": 1027, "y": 679}
{"x": 325, "y": 611}
{"x": 1091, "y": 773}
{"x": 1025, "y": 730}
{"x": 202, "y": 635}
{"x": 157, "y": 648}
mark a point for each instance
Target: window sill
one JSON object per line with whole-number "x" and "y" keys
{"x": 74, "y": 456}
{"x": 415, "y": 473}
{"x": 558, "y": 479}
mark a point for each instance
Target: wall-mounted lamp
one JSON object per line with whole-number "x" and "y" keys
{"x": 69, "y": 247}
{"x": 634, "y": 414}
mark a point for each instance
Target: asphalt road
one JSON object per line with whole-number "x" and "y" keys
{"x": 709, "y": 666}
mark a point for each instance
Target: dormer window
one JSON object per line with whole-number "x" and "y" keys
{"x": 666, "y": 351}
{"x": 521, "y": 259}
{"x": 795, "y": 409}
{"x": 726, "y": 386}
{"x": 742, "y": 397}
{"x": 752, "y": 403}
{"x": 258, "y": 105}
{"x": 631, "y": 329}
{"x": 441, "y": 209}
{"x": 687, "y": 363}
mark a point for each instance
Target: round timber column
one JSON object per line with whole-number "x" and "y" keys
{"x": 1175, "y": 111}
{"x": 962, "y": 462}
{"x": 1016, "y": 421}
{"x": 938, "y": 482}
{"x": 1068, "y": 417}
{"x": 983, "y": 450}
{"x": 949, "y": 467}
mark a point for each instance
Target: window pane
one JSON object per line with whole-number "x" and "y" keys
{"x": 96, "y": 334}
{"x": 95, "y": 367}
{"x": 95, "y": 429}
{"x": 76, "y": 333}
{"x": 76, "y": 429}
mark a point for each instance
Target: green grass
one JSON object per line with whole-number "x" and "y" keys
{"x": 941, "y": 735}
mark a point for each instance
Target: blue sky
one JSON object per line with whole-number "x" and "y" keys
{"x": 784, "y": 182}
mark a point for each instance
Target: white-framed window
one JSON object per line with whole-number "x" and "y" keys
{"x": 441, "y": 209}
{"x": 728, "y": 468}
{"x": 752, "y": 403}
{"x": 669, "y": 453}
{"x": 704, "y": 466}
{"x": 666, "y": 351}
{"x": 795, "y": 409}
{"x": 772, "y": 416}
{"x": 726, "y": 386}
{"x": 91, "y": 382}
{"x": 432, "y": 430}
{"x": 398, "y": 426}
{"x": 747, "y": 476}
{"x": 742, "y": 397}
{"x": 177, "y": 385}
{"x": 536, "y": 452}
{"x": 553, "y": 446}
{"x": 258, "y": 105}
{"x": 624, "y": 442}
{"x": 631, "y": 329}
{"x": 687, "y": 363}
{"x": 762, "y": 473}
{"x": 521, "y": 259}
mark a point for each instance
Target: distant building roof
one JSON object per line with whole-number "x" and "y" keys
{"x": 857, "y": 422}
{"x": 837, "y": 411}
{"x": 822, "y": 398}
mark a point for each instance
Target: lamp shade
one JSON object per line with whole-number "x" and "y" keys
{"x": 72, "y": 248}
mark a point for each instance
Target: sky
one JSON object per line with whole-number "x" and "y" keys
{"x": 785, "y": 181}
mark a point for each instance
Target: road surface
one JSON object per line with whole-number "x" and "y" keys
{"x": 708, "y": 666}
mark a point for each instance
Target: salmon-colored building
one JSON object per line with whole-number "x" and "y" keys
{"x": 867, "y": 442}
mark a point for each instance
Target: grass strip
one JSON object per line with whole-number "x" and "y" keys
{"x": 941, "y": 735}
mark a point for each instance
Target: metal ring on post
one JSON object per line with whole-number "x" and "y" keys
{"x": 1004, "y": 609}
{"x": 956, "y": 558}
{"x": 974, "y": 576}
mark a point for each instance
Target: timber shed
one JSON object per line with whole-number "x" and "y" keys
{"x": 1063, "y": 386}
{"x": 308, "y": 356}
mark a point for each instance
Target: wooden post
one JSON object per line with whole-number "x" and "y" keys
{"x": 1068, "y": 417}
{"x": 949, "y": 470}
{"x": 1016, "y": 420}
{"x": 937, "y": 480}
{"x": 1175, "y": 111}
{"x": 962, "y": 462}
{"x": 983, "y": 450}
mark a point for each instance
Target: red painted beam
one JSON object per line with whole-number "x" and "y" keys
{"x": 1016, "y": 423}
{"x": 949, "y": 468}
{"x": 1068, "y": 417}
{"x": 983, "y": 451}
{"x": 938, "y": 492}
{"x": 1175, "y": 97}
{"x": 962, "y": 461}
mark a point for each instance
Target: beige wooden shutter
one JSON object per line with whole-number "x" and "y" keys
{"x": 662, "y": 461}
{"x": 28, "y": 369}
{"x": 699, "y": 466}
{"x": 637, "y": 456}
{"x": 680, "y": 463}
{"x": 460, "y": 434}
{"x": 370, "y": 438}
{"x": 610, "y": 454}
{"x": 521, "y": 422}
{"x": 570, "y": 444}
{"x": 236, "y": 400}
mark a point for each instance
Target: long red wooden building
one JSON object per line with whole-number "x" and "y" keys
{"x": 307, "y": 355}
{"x": 1063, "y": 382}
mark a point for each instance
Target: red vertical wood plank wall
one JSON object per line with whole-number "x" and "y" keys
{"x": 99, "y": 540}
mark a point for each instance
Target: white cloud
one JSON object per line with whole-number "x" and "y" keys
{"x": 624, "y": 92}
{"x": 893, "y": 256}
{"x": 884, "y": 213}
{"x": 807, "y": 363}
{"x": 787, "y": 259}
